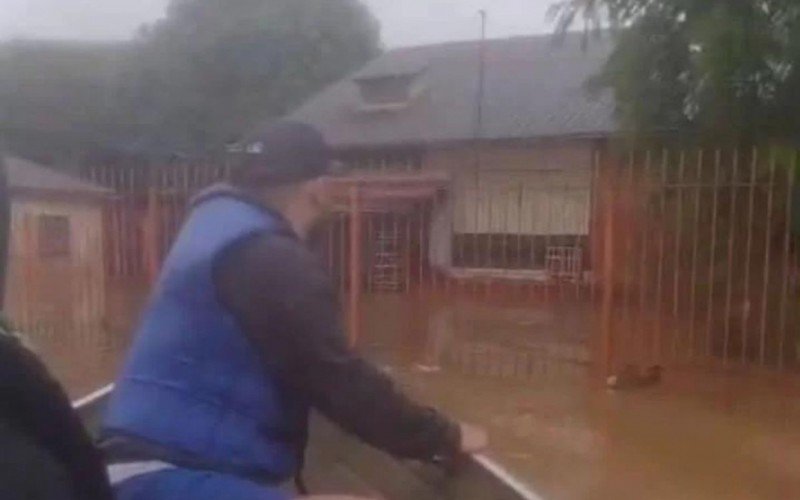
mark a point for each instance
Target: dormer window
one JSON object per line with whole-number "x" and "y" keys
{"x": 389, "y": 92}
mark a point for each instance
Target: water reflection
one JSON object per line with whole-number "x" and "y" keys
{"x": 525, "y": 374}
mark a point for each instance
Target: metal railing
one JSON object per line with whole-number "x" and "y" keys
{"x": 690, "y": 256}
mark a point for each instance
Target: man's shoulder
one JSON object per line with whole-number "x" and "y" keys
{"x": 274, "y": 248}
{"x": 272, "y": 256}
{"x": 273, "y": 268}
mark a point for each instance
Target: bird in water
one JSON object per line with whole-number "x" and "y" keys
{"x": 631, "y": 377}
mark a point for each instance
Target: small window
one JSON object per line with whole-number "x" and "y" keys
{"x": 391, "y": 92}
{"x": 54, "y": 236}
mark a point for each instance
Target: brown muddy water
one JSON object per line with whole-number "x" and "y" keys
{"x": 523, "y": 373}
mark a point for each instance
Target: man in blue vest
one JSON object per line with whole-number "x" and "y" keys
{"x": 242, "y": 337}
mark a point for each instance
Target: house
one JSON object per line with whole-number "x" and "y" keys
{"x": 56, "y": 278}
{"x": 512, "y": 126}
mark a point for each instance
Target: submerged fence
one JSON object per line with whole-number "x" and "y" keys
{"x": 685, "y": 257}
{"x": 703, "y": 256}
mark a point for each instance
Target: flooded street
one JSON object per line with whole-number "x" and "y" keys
{"x": 82, "y": 367}
{"x": 86, "y": 359}
{"x": 575, "y": 223}
{"x": 523, "y": 374}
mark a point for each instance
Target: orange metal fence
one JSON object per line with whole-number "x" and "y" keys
{"x": 705, "y": 258}
{"x": 684, "y": 257}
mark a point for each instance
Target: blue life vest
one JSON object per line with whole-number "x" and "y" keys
{"x": 193, "y": 383}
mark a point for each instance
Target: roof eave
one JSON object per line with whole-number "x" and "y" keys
{"x": 433, "y": 143}
{"x": 66, "y": 194}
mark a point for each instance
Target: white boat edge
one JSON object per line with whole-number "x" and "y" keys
{"x": 501, "y": 473}
{"x": 487, "y": 463}
{"x": 93, "y": 397}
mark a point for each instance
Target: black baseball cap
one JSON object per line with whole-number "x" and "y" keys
{"x": 284, "y": 152}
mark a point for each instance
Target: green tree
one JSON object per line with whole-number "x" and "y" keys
{"x": 726, "y": 69}
{"x": 205, "y": 74}
{"x": 213, "y": 68}
{"x": 58, "y": 99}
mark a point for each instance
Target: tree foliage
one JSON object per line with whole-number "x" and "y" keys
{"x": 203, "y": 75}
{"x": 57, "y": 98}
{"x": 726, "y": 69}
{"x": 212, "y": 68}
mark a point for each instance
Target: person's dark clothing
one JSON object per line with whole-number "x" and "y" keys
{"x": 285, "y": 302}
{"x": 47, "y": 453}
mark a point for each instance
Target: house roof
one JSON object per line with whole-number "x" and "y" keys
{"x": 27, "y": 176}
{"x": 534, "y": 87}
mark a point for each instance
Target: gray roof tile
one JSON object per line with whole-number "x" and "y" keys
{"x": 534, "y": 88}
{"x": 29, "y": 176}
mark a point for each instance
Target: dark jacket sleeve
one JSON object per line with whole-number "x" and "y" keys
{"x": 285, "y": 303}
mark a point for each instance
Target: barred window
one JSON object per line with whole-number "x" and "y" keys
{"x": 54, "y": 236}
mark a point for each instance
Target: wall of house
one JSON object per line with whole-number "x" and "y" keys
{"x": 56, "y": 292}
{"x": 527, "y": 191}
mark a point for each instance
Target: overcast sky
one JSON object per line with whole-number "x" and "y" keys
{"x": 405, "y": 22}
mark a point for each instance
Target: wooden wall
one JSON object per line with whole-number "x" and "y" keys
{"x": 49, "y": 291}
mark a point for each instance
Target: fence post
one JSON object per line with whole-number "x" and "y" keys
{"x": 355, "y": 265}
{"x": 151, "y": 235}
{"x": 607, "y": 333}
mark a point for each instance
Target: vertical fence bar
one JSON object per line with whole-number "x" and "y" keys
{"x": 117, "y": 223}
{"x": 342, "y": 253}
{"x": 520, "y": 206}
{"x": 608, "y": 280}
{"x": 746, "y": 306}
{"x": 396, "y": 250}
{"x": 407, "y": 254}
{"x": 422, "y": 240}
{"x": 661, "y": 244}
{"x": 643, "y": 256}
{"x": 713, "y": 252}
{"x": 165, "y": 191}
{"x": 762, "y": 352}
{"x": 185, "y": 190}
{"x": 505, "y": 232}
{"x": 563, "y": 240}
{"x": 489, "y": 264}
{"x": 370, "y": 258}
{"x": 532, "y": 239}
{"x": 175, "y": 206}
{"x": 113, "y": 239}
{"x": 676, "y": 275}
{"x": 695, "y": 251}
{"x": 445, "y": 200}
{"x": 29, "y": 250}
{"x": 132, "y": 250}
{"x": 179, "y": 203}
{"x": 731, "y": 247}
{"x": 355, "y": 265}
{"x": 431, "y": 211}
{"x": 546, "y": 193}
{"x": 331, "y": 243}
{"x": 595, "y": 224}
{"x": 122, "y": 222}
{"x": 476, "y": 248}
{"x": 152, "y": 235}
{"x": 458, "y": 201}
{"x": 627, "y": 183}
{"x": 786, "y": 261}
{"x": 584, "y": 239}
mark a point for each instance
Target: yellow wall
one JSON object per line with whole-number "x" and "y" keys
{"x": 63, "y": 291}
